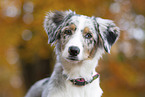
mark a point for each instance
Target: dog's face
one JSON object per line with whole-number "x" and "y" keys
{"x": 80, "y": 36}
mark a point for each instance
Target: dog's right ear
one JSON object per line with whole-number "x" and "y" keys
{"x": 54, "y": 22}
{"x": 108, "y": 32}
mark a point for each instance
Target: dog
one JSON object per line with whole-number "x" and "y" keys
{"x": 79, "y": 43}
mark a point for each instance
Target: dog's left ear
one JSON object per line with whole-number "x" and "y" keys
{"x": 108, "y": 32}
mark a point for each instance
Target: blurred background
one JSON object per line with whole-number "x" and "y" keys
{"x": 26, "y": 56}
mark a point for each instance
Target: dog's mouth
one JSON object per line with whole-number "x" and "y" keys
{"x": 73, "y": 58}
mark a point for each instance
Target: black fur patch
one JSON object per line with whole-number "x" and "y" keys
{"x": 58, "y": 17}
{"x": 111, "y": 36}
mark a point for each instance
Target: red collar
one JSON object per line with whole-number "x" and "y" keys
{"x": 81, "y": 81}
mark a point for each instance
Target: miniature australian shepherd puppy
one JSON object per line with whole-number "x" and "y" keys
{"x": 79, "y": 43}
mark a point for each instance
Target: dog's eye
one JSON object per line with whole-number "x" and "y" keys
{"x": 88, "y": 36}
{"x": 68, "y": 32}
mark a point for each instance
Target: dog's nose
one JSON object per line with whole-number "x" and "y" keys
{"x": 73, "y": 50}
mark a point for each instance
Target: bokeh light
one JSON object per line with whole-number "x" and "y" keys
{"x": 25, "y": 56}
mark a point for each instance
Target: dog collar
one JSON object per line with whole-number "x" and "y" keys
{"x": 81, "y": 81}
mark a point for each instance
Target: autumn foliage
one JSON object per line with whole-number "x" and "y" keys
{"x": 25, "y": 55}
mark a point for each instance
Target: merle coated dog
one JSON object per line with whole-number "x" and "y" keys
{"x": 79, "y": 43}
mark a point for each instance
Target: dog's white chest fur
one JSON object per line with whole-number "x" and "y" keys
{"x": 80, "y": 42}
{"x": 90, "y": 90}
{"x": 59, "y": 86}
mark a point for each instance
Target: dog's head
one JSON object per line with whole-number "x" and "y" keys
{"x": 79, "y": 36}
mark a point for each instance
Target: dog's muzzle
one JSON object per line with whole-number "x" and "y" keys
{"x": 73, "y": 52}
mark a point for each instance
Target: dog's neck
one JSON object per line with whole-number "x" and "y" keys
{"x": 84, "y": 69}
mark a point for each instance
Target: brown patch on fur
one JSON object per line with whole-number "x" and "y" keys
{"x": 98, "y": 44}
{"x": 93, "y": 51}
{"x": 100, "y": 41}
{"x": 73, "y": 27}
{"x": 86, "y": 30}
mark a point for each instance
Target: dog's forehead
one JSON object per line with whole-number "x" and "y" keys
{"x": 83, "y": 20}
